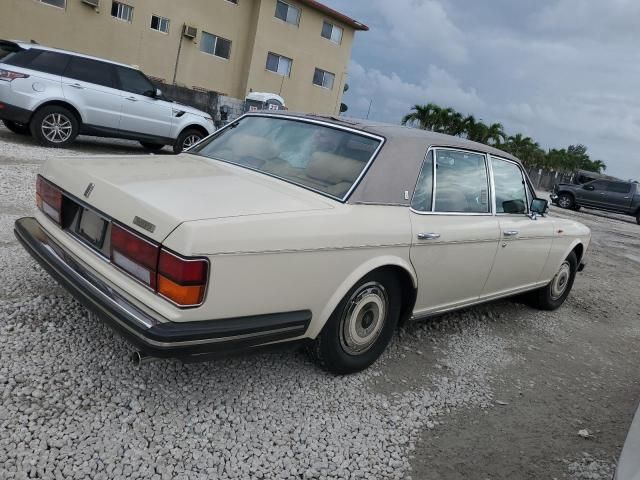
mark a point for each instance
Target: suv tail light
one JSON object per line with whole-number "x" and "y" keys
{"x": 180, "y": 280}
{"x": 9, "y": 76}
{"x": 49, "y": 199}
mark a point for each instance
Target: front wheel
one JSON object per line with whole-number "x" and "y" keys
{"x": 557, "y": 291}
{"x": 54, "y": 126}
{"x": 15, "y": 127}
{"x": 187, "y": 139}
{"x": 361, "y": 326}
{"x": 565, "y": 201}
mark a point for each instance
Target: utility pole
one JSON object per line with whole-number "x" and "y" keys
{"x": 369, "y": 111}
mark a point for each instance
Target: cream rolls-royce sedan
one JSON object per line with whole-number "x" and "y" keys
{"x": 282, "y": 228}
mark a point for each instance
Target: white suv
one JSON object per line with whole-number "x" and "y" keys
{"x": 55, "y": 95}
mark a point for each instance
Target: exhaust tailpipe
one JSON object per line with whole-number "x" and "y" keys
{"x": 139, "y": 358}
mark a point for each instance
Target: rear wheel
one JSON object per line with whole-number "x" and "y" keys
{"x": 153, "y": 147}
{"x": 566, "y": 201}
{"x": 557, "y": 291}
{"x": 187, "y": 139}
{"x": 54, "y": 126}
{"x": 15, "y": 127}
{"x": 361, "y": 326}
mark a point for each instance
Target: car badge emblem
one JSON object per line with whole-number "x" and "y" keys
{"x": 142, "y": 223}
{"x": 89, "y": 189}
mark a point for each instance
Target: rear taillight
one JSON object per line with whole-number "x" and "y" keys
{"x": 135, "y": 255}
{"x": 49, "y": 199}
{"x": 182, "y": 280}
{"x": 9, "y": 76}
{"x": 179, "y": 279}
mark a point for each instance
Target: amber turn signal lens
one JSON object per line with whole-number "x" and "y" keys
{"x": 181, "y": 294}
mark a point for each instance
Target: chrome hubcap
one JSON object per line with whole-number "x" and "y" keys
{"x": 190, "y": 141}
{"x": 57, "y": 128}
{"x": 564, "y": 202}
{"x": 561, "y": 281}
{"x": 363, "y": 318}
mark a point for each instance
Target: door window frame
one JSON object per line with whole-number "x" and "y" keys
{"x": 528, "y": 190}
{"x": 490, "y": 191}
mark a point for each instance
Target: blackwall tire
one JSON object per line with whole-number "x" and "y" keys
{"x": 17, "y": 128}
{"x": 556, "y": 292}
{"x": 54, "y": 126}
{"x": 361, "y": 326}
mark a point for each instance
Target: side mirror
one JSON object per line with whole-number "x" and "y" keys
{"x": 158, "y": 93}
{"x": 539, "y": 206}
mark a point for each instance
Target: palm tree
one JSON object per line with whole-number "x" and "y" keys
{"x": 423, "y": 116}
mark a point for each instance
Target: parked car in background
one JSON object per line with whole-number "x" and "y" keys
{"x": 282, "y": 228}
{"x": 610, "y": 195}
{"x": 55, "y": 95}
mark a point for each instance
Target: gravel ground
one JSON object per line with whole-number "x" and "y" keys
{"x": 498, "y": 391}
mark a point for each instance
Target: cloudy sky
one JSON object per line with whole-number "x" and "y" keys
{"x": 560, "y": 71}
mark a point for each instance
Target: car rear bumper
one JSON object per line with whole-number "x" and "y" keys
{"x": 13, "y": 113}
{"x": 153, "y": 336}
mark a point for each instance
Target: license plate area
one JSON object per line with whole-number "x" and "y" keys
{"x": 92, "y": 228}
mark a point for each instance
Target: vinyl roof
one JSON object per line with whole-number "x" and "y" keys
{"x": 335, "y": 14}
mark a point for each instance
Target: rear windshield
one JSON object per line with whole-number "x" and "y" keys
{"x": 322, "y": 158}
{"x": 8, "y": 50}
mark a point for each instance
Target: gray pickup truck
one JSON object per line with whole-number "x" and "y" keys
{"x": 610, "y": 195}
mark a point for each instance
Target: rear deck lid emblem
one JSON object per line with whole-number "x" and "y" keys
{"x": 89, "y": 189}
{"x": 142, "y": 223}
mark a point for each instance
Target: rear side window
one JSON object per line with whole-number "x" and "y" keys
{"x": 49, "y": 62}
{"x": 133, "y": 81}
{"x": 423, "y": 194}
{"x": 90, "y": 71}
{"x": 8, "y": 49}
{"x": 620, "y": 187}
{"x": 462, "y": 182}
{"x": 21, "y": 58}
{"x": 511, "y": 194}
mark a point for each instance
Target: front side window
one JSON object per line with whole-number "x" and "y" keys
{"x": 122, "y": 11}
{"x": 214, "y": 45}
{"x": 287, "y": 13}
{"x": 318, "y": 157}
{"x": 90, "y": 71}
{"x": 620, "y": 187}
{"x": 510, "y": 187}
{"x": 462, "y": 184}
{"x": 598, "y": 185}
{"x": 323, "y": 78}
{"x": 332, "y": 32}
{"x": 160, "y": 24}
{"x": 55, "y": 3}
{"x": 134, "y": 81}
{"x": 423, "y": 195}
{"x": 279, "y": 64}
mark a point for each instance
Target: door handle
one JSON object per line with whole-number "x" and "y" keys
{"x": 132, "y": 99}
{"x": 510, "y": 233}
{"x": 428, "y": 236}
{"x": 75, "y": 85}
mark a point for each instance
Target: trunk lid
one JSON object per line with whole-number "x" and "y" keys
{"x": 166, "y": 191}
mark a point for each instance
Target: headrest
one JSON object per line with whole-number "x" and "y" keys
{"x": 333, "y": 169}
{"x": 243, "y": 145}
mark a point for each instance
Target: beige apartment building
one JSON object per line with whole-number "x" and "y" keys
{"x": 299, "y": 49}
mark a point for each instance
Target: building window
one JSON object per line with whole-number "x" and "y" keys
{"x": 332, "y": 32}
{"x": 323, "y": 79}
{"x": 122, "y": 11}
{"x": 279, "y": 64}
{"x": 214, "y": 45}
{"x": 287, "y": 13}
{"x": 55, "y": 3}
{"x": 160, "y": 23}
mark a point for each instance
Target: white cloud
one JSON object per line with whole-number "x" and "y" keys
{"x": 421, "y": 25}
{"x": 393, "y": 97}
